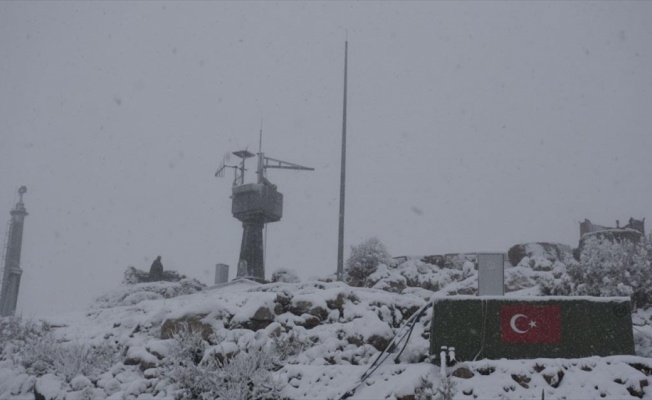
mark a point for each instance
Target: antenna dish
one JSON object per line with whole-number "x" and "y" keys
{"x": 244, "y": 154}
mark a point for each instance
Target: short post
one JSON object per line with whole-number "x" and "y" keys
{"x": 442, "y": 355}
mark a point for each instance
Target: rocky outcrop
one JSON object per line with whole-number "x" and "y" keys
{"x": 548, "y": 251}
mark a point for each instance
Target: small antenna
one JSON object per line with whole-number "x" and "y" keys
{"x": 225, "y": 159}
{"x": 260, "y": 170}
{"x": 260, "y": 138}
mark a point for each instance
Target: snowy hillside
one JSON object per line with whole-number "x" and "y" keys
{"x": 310, "y": 340}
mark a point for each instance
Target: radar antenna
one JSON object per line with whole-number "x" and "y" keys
{"x": 238, "y": 169}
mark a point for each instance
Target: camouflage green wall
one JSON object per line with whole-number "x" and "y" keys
{"x": 546, "y": 327}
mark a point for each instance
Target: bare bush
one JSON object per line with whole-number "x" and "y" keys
{"x": 247, "y": 376}
{"x": 17, "y": 333}
{"x": 198, "y": 374}
{"x": 67, "y": 359}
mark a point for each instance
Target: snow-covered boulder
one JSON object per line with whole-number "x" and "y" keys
{"x": 540, "y": 251}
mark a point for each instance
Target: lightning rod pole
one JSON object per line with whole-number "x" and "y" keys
{"x": 340, "y": 242}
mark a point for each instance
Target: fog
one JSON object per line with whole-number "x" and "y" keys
{"x": 472, "y": 126}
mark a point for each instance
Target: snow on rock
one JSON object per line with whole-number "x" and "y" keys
{"x": 130, "y": 294}
{"x": 331, "y": 382}
{"x": 49, "y": 387}
{"x": 136, "y": 298}
{"x": 14, "y": 382}
{"x": 255, "y": 312}
{"x": 326, "y": 335}
{"x": 138, "y": 355}
{"x": 80, "y": 382}
{"x": 538, "y": 252}
{"x": 615, "y": 377}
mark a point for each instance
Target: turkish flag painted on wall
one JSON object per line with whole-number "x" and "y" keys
{"x": 521, "y": 323}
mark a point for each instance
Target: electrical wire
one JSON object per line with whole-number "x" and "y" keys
{"x": 394, "y": 343}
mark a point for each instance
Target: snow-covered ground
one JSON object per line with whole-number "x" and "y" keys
{"x": 320, "y": 338}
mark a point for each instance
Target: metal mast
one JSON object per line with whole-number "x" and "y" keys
{"x": 12, "y": 271}
{"x": 340, "y": 242}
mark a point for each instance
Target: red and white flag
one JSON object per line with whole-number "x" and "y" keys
{"x": 530, "y": 324}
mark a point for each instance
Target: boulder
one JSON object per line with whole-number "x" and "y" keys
{"x": 378, "y": 342}
{"x": 48, "y": 387}
{"x": 261, "y": 319}
{"x": 137, "y": 355}
{"x": 309, "y": 321}
{"x": 549, "y": 251}
{"x": 463, "y": 373}
{"x": 306, "y": 307}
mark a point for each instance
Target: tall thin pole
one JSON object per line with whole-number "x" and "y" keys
{"x": 340, "y": 242}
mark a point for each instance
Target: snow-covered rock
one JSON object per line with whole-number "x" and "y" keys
{"x": 325, "y": 336}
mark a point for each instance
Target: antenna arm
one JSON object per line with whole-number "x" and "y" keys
{"x": 274, "y": 163}
{"x": 220, "y": 171}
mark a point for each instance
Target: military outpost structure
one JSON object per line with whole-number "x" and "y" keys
{"x": 255, "y": 204}
{"x": 12, "y": 271}
{"x": 633, "y": 231}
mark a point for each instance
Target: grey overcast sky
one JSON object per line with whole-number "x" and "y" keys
{"x": 473, "y": 126}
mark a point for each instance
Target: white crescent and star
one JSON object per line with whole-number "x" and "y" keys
{"x": 515, "y": 317}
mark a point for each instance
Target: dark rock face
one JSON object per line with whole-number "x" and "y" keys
{"x": 379, "y": 342}
{"x": 306, "y": 307}
{"x": 309, "y": 321}
{"x": 261, "y": 319}
{"x": 516, "y": 253}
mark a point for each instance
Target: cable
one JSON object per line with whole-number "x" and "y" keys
{"x": 420, "y": 313}
{"x": 410, "y": 323}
